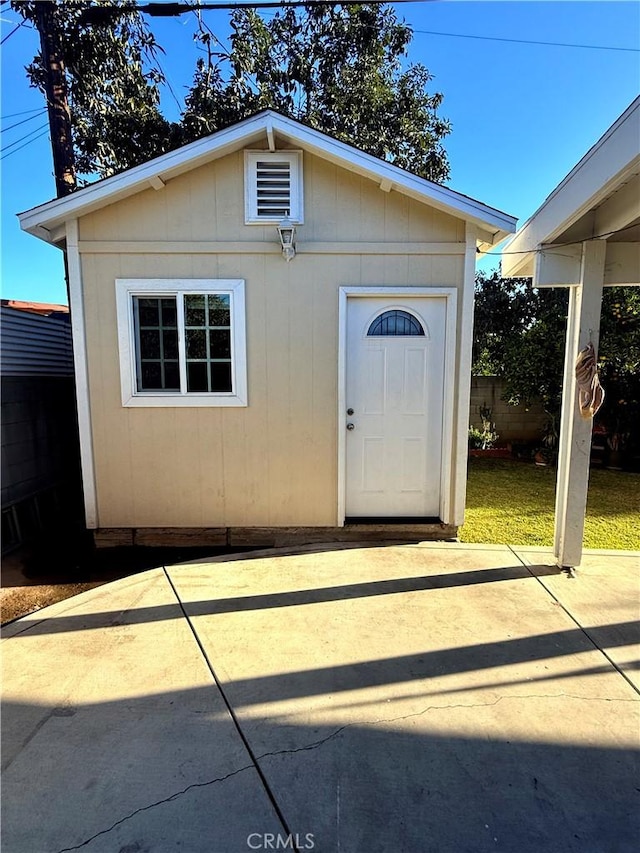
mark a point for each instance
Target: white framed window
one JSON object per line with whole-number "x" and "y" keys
{"x": 273, "y": 186}
{"x": 182, "y": 342}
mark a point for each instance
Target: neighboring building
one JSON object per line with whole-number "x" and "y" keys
{"x": 40, "y": 451}
{"x": 227, "y": 396}
{"x": 585, "y": 236}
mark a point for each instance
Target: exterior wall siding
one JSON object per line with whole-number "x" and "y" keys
{"x": 273, "y": 463}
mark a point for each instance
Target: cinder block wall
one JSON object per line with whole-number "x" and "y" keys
{"x": 513, "y": 423}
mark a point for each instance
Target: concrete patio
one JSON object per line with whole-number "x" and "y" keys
{"x": 408, "y": 698}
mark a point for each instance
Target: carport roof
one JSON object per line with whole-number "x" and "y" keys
{"x": 599, "y": 198}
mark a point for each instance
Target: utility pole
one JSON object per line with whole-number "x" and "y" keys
{"x": 56, "y": 93}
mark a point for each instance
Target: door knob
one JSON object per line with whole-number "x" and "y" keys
{"x": 351, "y": 426}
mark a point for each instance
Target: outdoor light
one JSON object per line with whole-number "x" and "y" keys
{"x": 287, "y": 234}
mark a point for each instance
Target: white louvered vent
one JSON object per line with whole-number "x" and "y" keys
{"x": 273, "y": 186}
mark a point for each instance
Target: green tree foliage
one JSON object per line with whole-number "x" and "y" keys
{"x": 520, "y": 335}
{"x": 619, "y": 366}
{"x": 503, "y": 310}
{"x": 339, "y": 69}
{"x": 113, "y": 84}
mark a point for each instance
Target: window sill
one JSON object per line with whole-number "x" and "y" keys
{"x": 171, "y": 401}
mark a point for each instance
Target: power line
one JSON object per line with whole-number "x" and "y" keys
{"x": 23, "y": 113}
{"x": 15, "y": 150}
{"x": 24, "y": 121}
{"x": 26, "y": 136}
{"x": 175, "y": 9}
{"x": 166, "y": 80}
{"x": 548, "y": 247}
{"x": 528, "y": 41}
{"x": 15, "y": 30}
{"x": 203, "y": 23}
{"x": 171, "y": 10}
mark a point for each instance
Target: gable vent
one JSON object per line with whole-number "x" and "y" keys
{"x": 273, "y": 188}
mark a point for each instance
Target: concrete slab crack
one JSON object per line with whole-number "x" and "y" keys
{"x": 161, "y": 802}
{"x": 318, "y": 743}
{"x": 193, "y": 786}
{"x": 321, "y": 742}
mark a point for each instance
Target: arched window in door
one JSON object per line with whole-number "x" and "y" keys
{"x": 395, "y": 323}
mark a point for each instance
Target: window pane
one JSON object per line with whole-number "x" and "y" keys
{"x": 196, "y": 343}
{"x": 170, "y": 343}
{"x": 221, "y": 376}
{"x": 150, "y": 343}
{"x": 171, "y": 376}
{"x": 151, "y": 376}
{"x": 396, "y": 323}
{"x": 156, "y": 343}
{"x": 197, "y": 376}
{"x": 220, "y": 343}
{"x": 194, "y": 309}
{"x": 219, "y": 314}
{"x": 149, "y": 314}
{"x": 169, "y": 314}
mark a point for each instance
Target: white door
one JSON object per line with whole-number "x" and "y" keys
{"x": 394, "y": 406}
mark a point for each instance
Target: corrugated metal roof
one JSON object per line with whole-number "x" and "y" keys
{"x": 45, "y": 308}
{"x": 34, "y": 345}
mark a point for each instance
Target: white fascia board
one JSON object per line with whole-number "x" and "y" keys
{"x": 39, "y": 220}
{"x": 43, "y": 218}
{"x": 488, "y": 218}
{"x": 610, "y": 163}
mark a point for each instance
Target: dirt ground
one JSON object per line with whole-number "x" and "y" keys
{"x": 48, "y": 571}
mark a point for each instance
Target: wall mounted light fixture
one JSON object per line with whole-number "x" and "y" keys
{"x": 287, "y": 235}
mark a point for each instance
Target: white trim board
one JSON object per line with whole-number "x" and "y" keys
{"x": 76, "y": 308}
{"x": 463, "y": 382}
{"x": 42, "y": 220}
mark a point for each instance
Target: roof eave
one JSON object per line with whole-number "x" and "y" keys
{"x": 606, "y": 166}
{"x": 42, "y": 220}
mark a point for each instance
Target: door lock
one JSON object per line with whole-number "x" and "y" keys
{"x": 349, "y": 412}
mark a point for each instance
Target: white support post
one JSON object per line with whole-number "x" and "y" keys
{"x": 463, "y": 378}
{"x": 574, "y": 452}
{"x": 76, "y": 307}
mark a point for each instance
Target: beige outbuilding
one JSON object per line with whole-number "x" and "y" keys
{"x": 272, "y": 335}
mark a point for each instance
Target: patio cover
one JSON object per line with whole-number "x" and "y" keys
{"x": 585, "y": 236}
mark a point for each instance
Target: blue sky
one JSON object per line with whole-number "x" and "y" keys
{"x": 522, "y": 114}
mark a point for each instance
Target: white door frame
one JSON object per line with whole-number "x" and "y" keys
{"x": 450, "y": 294}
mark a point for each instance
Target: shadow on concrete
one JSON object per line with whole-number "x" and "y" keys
{"x": 416, "y": 667}
{"x": 168, "y": 770}
{"x": 124, "y": 775}
{"x": 295, "y": 598}
{"x": 69, "y": 559}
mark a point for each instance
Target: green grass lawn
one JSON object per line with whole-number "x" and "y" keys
{"x": 512, "y": 503}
